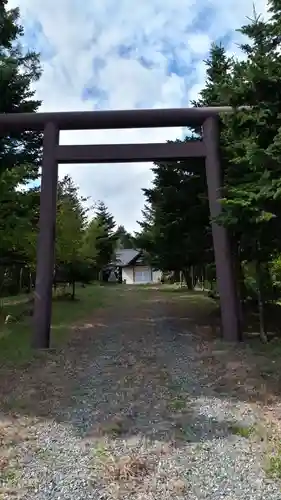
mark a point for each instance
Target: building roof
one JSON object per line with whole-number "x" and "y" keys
{"x": 124, "y": 257}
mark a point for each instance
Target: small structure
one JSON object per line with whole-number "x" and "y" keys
{"x": 135, "y": 268}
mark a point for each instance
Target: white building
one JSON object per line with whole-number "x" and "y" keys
{"x": 134, "y": 268}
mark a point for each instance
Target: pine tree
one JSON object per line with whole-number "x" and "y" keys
{"x": 105, "y": 218}
{"x": 216, "y": 91}
{"x": 71, "y": 221}
{"x": 20, "y": 152}
{"x": 70, "y": 226}
{"x": 106, "y": 237}
{"x": 123, "y": 238}
{"x": 253, "y": 179}
{"x": 176, "y": 229}
{"x": 253, "y": 184}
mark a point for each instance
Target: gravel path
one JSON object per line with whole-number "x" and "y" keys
{"x": 141, "y": 421}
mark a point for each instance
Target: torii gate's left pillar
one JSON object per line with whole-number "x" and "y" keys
{"x": 46, "y": 239}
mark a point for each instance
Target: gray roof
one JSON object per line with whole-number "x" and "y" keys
{"x": 125, "y": 256}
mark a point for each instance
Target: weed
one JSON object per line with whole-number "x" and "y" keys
{"x": 8, "y": 474}
{"x": 177, "y": 404}
{"x": 241, "y": 430}
{"x": 100, "y": 452}
{"x": 273, "y": 468}
{"x": 184, "y": 432}
{"x": 126, "y": 468}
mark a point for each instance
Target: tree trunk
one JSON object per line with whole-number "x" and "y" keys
{"x": 176, "y": 277}
{"x": 73, "y": 290}
{"x": 188, "y": 278}
{"x": 203, "y": 278}
{"x": 29, "y": 282}
{"x": 55, "y": 284}
{"x": 20, "y": 279}
{"x": 259, "y": 279}
{"x": 192, "y": 274}
{"x": 181, "y": 278}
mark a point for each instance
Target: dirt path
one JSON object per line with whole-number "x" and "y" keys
{"x": 135, "y": 407}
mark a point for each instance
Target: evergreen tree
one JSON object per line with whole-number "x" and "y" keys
{"x": 70, "y": 227}
{"x": 106, "y": 237}
{"x": 252, "y": 195}
{"x": 123, "y": 238}
{"x": 176, "y": 230}
{"x": 250, "y": 143}
{"x": 176, "y": 227}
{"x": 20, "y": 152}
{"x": 71, "y": 220}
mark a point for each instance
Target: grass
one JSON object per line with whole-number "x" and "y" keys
{"x": 272, "y": 455}
{"x": 15, "y": 336}
{"x": 242, "y": 430}
{"x": 193, "y": 304}
{"x": 177, "y": 404}
{"x": 273, "y": 467}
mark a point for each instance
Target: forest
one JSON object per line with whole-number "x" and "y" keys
{"x": 175, "y": 230}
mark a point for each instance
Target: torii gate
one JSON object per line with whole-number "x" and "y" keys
{"x": 53, "y": 154}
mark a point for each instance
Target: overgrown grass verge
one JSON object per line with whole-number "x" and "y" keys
{"x": 272, "y": 455}
{"x": 15, "y": 335}
{"x": 273, "y": 464}
{"x": 242, "y": 430}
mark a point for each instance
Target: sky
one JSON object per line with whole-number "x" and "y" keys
{"x": 120, "y": 54}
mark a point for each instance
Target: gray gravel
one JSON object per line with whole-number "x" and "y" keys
{"x": 206, "y": 462}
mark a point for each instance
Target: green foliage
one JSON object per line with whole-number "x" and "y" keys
{"x": 242, "y": 430}
{"x": 176, "y": 227}
{"x": 89, "y": 245}
{"x": 102, "y": 228}
{"x": 124, "y": 239}
{"x": 252, "y": 201}
{"x": 274, "y": 465}
{"x": 20, "y": 153}
{"x": 70, "y": 222}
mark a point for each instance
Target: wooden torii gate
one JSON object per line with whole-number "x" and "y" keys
{"x": 52, "y": 123}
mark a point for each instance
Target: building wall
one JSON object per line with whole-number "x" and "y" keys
{"x": 128, "y": 274}
{"x": 156, "y": 276}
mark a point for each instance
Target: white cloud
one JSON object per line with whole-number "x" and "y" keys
{"x": 82, "y": 44}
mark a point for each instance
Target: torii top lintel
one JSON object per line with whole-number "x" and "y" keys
{"x": 113, "y": 119}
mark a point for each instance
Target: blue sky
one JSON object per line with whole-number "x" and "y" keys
{"x": 109, "y": 54}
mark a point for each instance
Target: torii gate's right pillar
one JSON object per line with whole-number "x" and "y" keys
{"x": 224, "y": 268}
